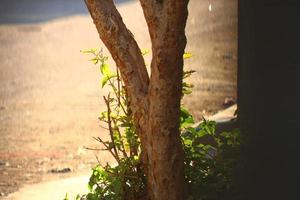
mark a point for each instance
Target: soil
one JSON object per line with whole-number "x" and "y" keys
{"x": 50, "y": 96}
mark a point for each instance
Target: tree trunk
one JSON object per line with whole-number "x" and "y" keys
{"x": 166, "y": 21}
{"x": 156, "y": 102}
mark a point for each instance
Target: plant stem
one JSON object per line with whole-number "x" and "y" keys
{"x": 107, "y": 148}
{"x": 111, "y": 133}
{"x": 122, "y": 143}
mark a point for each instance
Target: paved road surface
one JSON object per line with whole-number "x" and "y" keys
{"x": 36, "y": 11}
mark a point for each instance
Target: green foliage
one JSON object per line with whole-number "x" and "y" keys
{"x": 187, "y": 87}
{"x": 209, "y": 157}
{"x": 209, "y": 161}
{"x": 186, "y": 119}
{"x": 125, "y": 180}
{"x": 114, "y": 183}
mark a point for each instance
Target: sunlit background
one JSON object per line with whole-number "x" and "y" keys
{"x": 50, "y": 96}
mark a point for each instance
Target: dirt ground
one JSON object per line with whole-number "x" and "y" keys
{"x": 50, "y": 96}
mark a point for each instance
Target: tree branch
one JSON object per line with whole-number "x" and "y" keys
{"x": 166, "y": 20}
{"x": 129, "y": 60}
{"x": 123, "y": 47}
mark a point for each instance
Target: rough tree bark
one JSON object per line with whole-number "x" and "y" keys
{"x": 155, "y": 101}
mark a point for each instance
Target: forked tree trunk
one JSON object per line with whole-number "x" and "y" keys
{"x": 155, "y": 103}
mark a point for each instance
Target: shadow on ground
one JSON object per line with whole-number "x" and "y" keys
{"x": 36, "y": 11}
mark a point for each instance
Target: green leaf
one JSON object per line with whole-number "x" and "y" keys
{"x": 91, "y": 196}
{"x": 104, "y": 68}
{"x": 186, "y": 119}
{"x": 187, "y": 55}
{"x": 188, "y": 142}
{"x": 187, "y": 122}
{"x": 186, "y": 91}
{"x": 117, "y": 185}
{"x": 184, "y": 113}
{"x": 103, "y": 115}
{"x": 226, "y": 134}
{"x": 106, "y": 78}
{"x": 145, "y": 52}
{"x": 187, "y": 85}
{"x": 94, "y": 60}
{"x": 78, "y": 197}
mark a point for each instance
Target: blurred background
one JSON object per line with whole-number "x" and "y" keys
{"x": 50, "y": 95}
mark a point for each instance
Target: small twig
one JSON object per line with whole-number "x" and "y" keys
{"x": 119, "y": 91}
{"x": 94, "y": 149}
{"x": 117, "y": 95}
{"x": 107, "y": 148}
{"x": 125, "y": 175}
{"x": 98, "y": 161}
{"x": 103, "y": 127}
{"x": 103, "y": 120}
{"x": 122, "y": 143}
{"x": 111, "y": 133}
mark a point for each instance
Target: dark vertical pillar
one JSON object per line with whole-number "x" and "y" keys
{"x": 269, "y": 98}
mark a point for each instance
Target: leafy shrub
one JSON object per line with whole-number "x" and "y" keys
{"x": 209, "y": 161}
{"x": 209, "y": 157}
